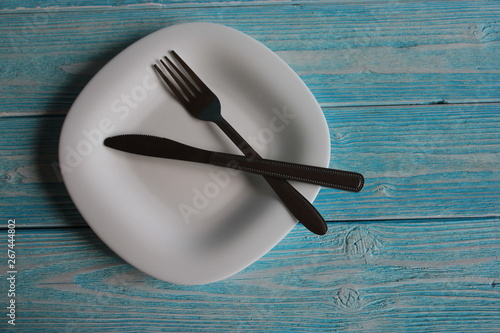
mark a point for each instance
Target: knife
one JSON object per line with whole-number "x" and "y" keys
{"x": 148, "y": 145}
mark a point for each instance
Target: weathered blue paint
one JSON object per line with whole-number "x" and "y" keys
{"x": 411, "y": 94}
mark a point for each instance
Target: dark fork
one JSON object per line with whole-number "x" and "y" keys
{"x": 203, "y": 104}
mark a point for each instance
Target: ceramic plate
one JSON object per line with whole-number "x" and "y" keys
{"x": 184, "y": 222}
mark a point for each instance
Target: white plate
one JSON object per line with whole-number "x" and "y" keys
{"x": 184, "y": 222}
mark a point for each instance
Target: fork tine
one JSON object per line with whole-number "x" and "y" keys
{"x": 169, "y": 83}
{"x": 185, "y": 79}
{"x": 180, "y": 83}
{"x": 183, "y": 82}
{"x": 192, "y": 74}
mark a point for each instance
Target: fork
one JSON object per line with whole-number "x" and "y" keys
{"x": 203, "y": 104}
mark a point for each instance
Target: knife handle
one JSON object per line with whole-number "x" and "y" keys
{"x": 297, "y": 204}
{"x": 344, "y": 180}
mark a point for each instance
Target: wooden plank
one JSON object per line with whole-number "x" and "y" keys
{"x": 415, "y": 276}
{"x": 368, "y": 53}
{"x": 54, "y": 5}
{"x": 366, "y": 61}
{"x": 419, "y": 162}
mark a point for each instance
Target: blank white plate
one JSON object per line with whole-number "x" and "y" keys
{"x": 183, "y": 222}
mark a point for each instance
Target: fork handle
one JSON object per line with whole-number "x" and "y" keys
{"x": 296, "y": 203}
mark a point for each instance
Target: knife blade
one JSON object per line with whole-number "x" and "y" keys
{"x": 153, "y": 146}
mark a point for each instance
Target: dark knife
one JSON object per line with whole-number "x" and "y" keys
{"x": 154, "y": 146}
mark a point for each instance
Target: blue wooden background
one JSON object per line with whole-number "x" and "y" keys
{"x": 411, "y": 92}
